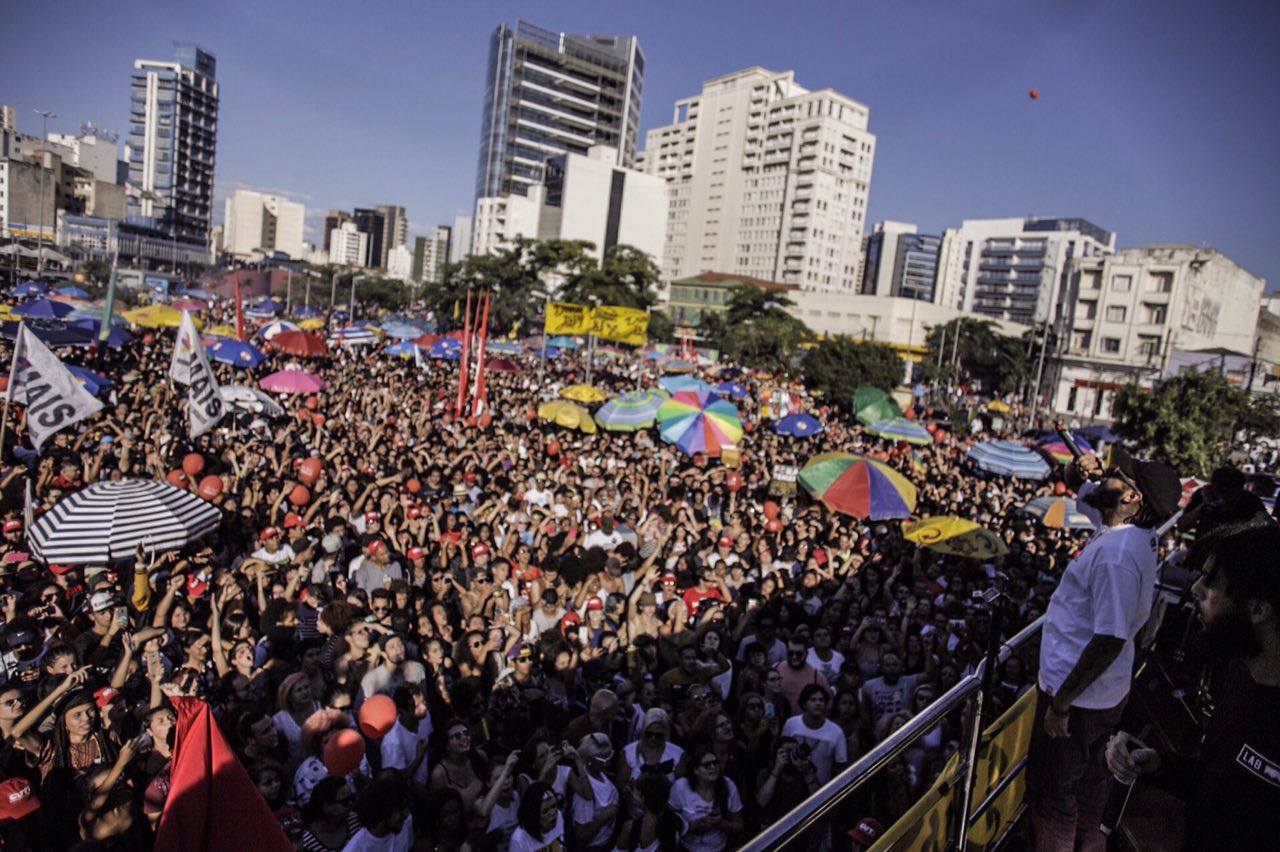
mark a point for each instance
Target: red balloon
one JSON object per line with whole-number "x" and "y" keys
{"x": 773, "y": 525}
{"x": 931, "y": 428}
{"x": 343, "y": 753}
{"x": 193, "y": 464}
{"x": 299, "y": 496}
{"x": 210, "y": 487}
{"x": 1059, "y": 488}
{"x": 472, "y": 422}
{"x": 909, "y": 414}
{"x": 486, "y": 420}
{"x": 1035, "y": 94}
{"x": 148, "y": 339}
{"x": 733, "y": 482}
{"x": 313, "y": 402}
{"x": 770, "y": 510}
{"x": 310, "y": 469}
{"x": 553, "y": 449}
{"x": 317, "y": 419}
{"x": 940, "y": 437}
{"x": 414, "y": 485}
{"x": 377, "y": 716}
{"x": 749, "y": 426}
{"x": 178, "y": 479}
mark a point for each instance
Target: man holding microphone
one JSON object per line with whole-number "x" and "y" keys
{"x": 1087, "y": 648}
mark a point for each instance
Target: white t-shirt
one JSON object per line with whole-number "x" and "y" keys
{"x": 831, "y": 668}
{"x": 521, "y": 841}
{"x": 284, "y": 553}
{"x": 1106, "y": 590}
{"x": 401, "y": 841}
{"x": 827, "y": 745}
{"x": 503, "y": 821}
{"x": 604, "y": 794}
{"x": 400, "y": 748}
{"x": 691, "y": 807}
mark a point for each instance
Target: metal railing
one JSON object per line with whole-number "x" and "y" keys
{"x": 832, "y": 794}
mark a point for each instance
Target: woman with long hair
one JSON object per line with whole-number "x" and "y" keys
{"x": 328, "y": 819}
{"x": 294, "y": 706}
{"x": 460, "y": 768}
{"x": 708, "y": 802}
{"x": 541, "y": 825}
{"x": 79, "y": 741}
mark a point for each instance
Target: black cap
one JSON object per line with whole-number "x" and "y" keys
{"x": 1159, "y": 484}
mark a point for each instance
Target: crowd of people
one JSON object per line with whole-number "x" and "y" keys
{"x": 591, "y": 641}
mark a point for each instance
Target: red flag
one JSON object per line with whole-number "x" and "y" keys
{"x": 482, "y": 398}
{"x": 239, "y": 309}
{"x": 213, "y": 806}
{"x": 462, "y": 365}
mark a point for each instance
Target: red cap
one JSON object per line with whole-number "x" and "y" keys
{"x": 570, "y": 619}
{"x": 724, "y": 541}
{"x": 481, "y": 549}
{"x": 195, "y": 586}
{"x": 13, "y": 557}
{"x": 13, "y": 526}
{"x": 17, "y": 799}
{"x": 376, "y": 546}
{"x": 469, "y": 477}
{"x": 269, "y": 533}
{"x": 104, "y": 696}
{"x": 417, "y": 553}
{"x": 414, "y": 513}
{"x": 59, "y": 570}
{"x": 866, "y": 832}
{"x": 594, "y": 604}
{"x": 372, "y": 516}
{"x": 669, "y": 578}
{"x": 293, "y": 519}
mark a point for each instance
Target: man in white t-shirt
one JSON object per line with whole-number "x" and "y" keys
{"x": 818, "y": 739}
{"x": 1087, "y": 648}
{"x": 823, "y": 657}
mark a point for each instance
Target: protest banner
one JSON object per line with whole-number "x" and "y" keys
{"x": 190, "y": 367}
{"x": 54, "y": 398}
{"x": 621, "y": 325}
{"x": 567, "y": 318}
{"x": 783, "y": 480}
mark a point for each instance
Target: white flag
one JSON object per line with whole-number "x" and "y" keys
{"x": 55, "y": 399}
{"x": 190, "y": 367}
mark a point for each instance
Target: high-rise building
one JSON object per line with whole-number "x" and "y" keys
{"x": 173, "y": 135}
{"x": 8, "y": 118}
{"x": 460, "y": 239}
{"x": 373, "y": 224}
{"x": 766, "y": 179}
{"x": 550, "y": 93}
{"x": 1015, "y": 269}
{"x": 257, "y": 222}
{"x": 900, "y": 262}
{"x": 395, "y": 231}
{"x": 348, "y": 245}
{"x": 430, "y": 254}
{"x": 333, "y": 219}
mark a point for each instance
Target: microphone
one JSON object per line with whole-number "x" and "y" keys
{"x": 1067, "y": 440}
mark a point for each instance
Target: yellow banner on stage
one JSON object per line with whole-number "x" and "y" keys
{"x": 567, "y": 318}
{"x": 623, "y": 325}
{"x": 930, "y": 823}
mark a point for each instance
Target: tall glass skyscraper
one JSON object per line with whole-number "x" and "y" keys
{"x": 173, "y": 134}
{"x": 549, "y": 93}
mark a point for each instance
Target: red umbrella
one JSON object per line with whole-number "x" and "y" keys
{"x": 501, "y": 365}
{"x": 426, "y": 341}
{"x": 300, "y": 343}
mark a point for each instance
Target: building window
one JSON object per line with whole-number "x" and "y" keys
{"x": 1148, "y": 346}
{"x": 1081, "y": 340}
{"x": 1086, "y": 310}
{"x": 1154, "y": 314}
{"x": 1111, "y": 345}
{"x": 1116, "y": 313}
{"x": 1122, "y": 283}
{"x": 1160, "y": 282}
{"x": 1089, "y": 281}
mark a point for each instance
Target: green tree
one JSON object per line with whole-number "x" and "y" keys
{"x": 628, "y": 278}
{"x": 1189, "y": 420}
{"x": 755, "y": 331}
{"x": 982, "y": 354}
{"x": 838, "y": 365}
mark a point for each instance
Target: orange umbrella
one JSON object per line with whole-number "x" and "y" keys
{"x": 301, "y": 343}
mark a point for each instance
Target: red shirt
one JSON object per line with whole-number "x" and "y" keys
{"x": 694, "y": 596}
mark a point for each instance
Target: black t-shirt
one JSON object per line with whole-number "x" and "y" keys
{"x": 1246, "y": 507}
{"x": 1237, "y": 780}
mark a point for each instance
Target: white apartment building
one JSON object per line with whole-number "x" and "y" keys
{"x": 460, "y": 239}
{"x": 1137, "y": 310}
{"x": 259, "y": 223}
{"x": 1014, "y": 269}
{"x": 96, "y": 153}
{"x": 430, "y": 254}
{"x": 586, "y": 198}
{"x": 348, "y": 245}
{"x": 400, "y": 262}
{"x": 766, "y": 179}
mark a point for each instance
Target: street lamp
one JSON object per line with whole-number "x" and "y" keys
{"x": 45, "y": 115}
{"x": 351, "y": 305}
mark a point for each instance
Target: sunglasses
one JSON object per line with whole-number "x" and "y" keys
{"x": 709, "y": 764}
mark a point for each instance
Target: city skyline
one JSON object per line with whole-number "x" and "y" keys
{"x": 1139, "y": 126}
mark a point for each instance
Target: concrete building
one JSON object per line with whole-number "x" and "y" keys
{"x": 173, "y": 137}
{"x": 1137, "y": 311}
{"x": 766, "y": 179}
{"x": 256, "y": 222}
{"x": 348, "y": 245}
{"x": 29, "y": 195}
{"x": 900, "y": 262}
{"x": 1014, "y": 269}
{"x": 90, "y": 237}
{"x": 586, "y": 198}
{"x": 460, "y": 239}
{"x": 430, "y": 254}
{"x": 332, "y": 220}
{"x": 97, "y": 152}
{"x": 400, "y": 263}
{"x": 8, "y": 118}
{"x": 395, "y": 230}
{"x": 550, "y": 93}
{"x": 691, "y": 299}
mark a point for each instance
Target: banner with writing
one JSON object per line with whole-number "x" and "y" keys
{"x": 567, "y": 318}
{"x": 190, "y": 367}
{"x": 53, "y": 396}
{"x": 622, "y": 325}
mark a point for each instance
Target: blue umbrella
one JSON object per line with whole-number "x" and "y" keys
{"x": 236, "y": 353}
{"x": 51, "y": 333}
{"x": 675, "y": 384}
{"x": 29, "y": 290}
{"x": 95, "y": 383}
{"x": 196, "y": 293}
{"x": 550, "y": 353}
{"x": 446, "y": 350}
{"x": 799, "y": 425}
{"x": 563, "y": 342}
{"x": 403, "y": 349}
{"x": 73, "y": 292}
{"x": 401, "y": 331}
{"x": 269, "y": 307}
{"x": 306, "y": 312}
{"x": 733, "y": 390}
{"x": 730, "y": 372}
{"x": 1007, "y": 458}
{"x": 46, "y": 309}
{"x": 504, "y": 347}
{"x": 116, "y": 337}
{"x": 95, "y": 315}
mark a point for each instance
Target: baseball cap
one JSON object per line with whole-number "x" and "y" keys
{"x": 59, "y": 570}
{"x": 669, "y": 578}
{"x": 479, "y": 550}
{"x": 12, "y": 526}
{"x": 269, "y": 533}
{"x": 372, "y": 516}
{"x": 1158, "y": 483}
{"x": 101, "y": 601}
{"x": 331, "y": 543}
{"x": 724, "y": 541}
{"x": 595, "y": 604}
{"x": 15, "y": 556}
{"x": 293, "y": 519}
{"x": 596, "y": 745}
{"x": 417, "y": 553}
{"x": 570, "y": 619}
{"x": 866, "y": 832}
{"x": 195, "y": 586}
{"x": 17, "y": 799}
{"x": 104, "y": 696}
{"x": 376, "y": 546}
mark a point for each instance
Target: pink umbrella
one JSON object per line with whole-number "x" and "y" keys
{"x": 293, "y": 381}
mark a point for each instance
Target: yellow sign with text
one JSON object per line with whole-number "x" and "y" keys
{"x": 622, "y": 325}
{"x": 567, "y": 318}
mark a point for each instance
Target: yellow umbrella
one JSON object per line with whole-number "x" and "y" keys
{"x": 313, "y": 324}
{"x": 568, "y": 415}
{"x": 221, "y": 331}
{"x": 157, "y": 316}
{"x": 584, "y": 393}
{"x": 955, "y": 536}
{"x": 998, "y": 407}
{"x": 7, "y": 314}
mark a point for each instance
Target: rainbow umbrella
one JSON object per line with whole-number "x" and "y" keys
{"x": 1058, "y": 513}
{"x": 1053, "y": 446}
{"x": 699, "y": 422}
{"x": 631, "y": 411}
{"x": 858, "y": 486}
{"x": 293, "y": 381}
{"x": 901, "y": 429}
{"x": 956, "y": 537}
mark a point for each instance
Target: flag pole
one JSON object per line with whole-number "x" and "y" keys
{"x": 462, "y": 364}
{"x": 239, "y": 309}
{"x": 8, "y": 391}
{"x": 480, "y": 395}
{"x": 108, "y": 307}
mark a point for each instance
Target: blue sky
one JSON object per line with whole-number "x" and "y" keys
{"x": 1157, "y": 120}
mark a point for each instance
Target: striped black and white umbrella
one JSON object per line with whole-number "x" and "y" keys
{"x": 105, "y": 521}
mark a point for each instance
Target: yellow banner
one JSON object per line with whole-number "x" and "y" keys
{"x": 929, "y": 824}
{"x": 623, "y": 325}
{"x": 567, "y": 318}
